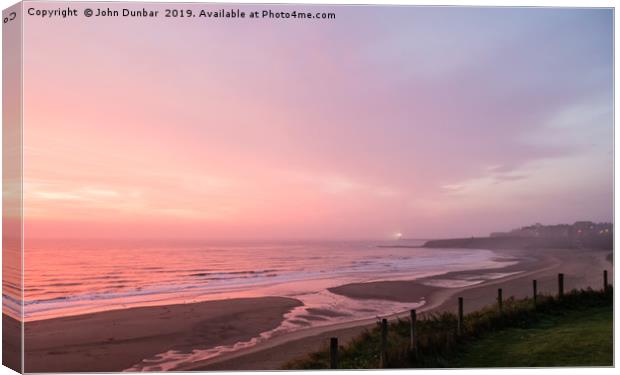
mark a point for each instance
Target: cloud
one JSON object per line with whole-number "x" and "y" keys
{"x": 509, "y": 177}
{"x": 491, "y": 176}
{"x": 51, "y": 191}
{"x": 453, "y": 187}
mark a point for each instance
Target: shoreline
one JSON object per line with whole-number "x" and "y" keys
{"x": 121, "y": 339}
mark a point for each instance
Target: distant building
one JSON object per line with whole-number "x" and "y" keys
{"x": 579, "y": 234}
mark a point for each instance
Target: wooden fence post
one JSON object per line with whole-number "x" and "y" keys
{"x": 384, "y": 328}
{"x": 333, "y": 353}
{"x": 605, "y": 280}
{"x": 535, "y": 287}
{"x": 560, "y": 285}
{"x": 499, "y": 299}
{"x": 460, "y": 321}
{"x": 413, "y": 344}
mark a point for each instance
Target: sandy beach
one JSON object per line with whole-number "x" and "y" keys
{"x": 117, "y": 340}
{"x": 11, "y": 343}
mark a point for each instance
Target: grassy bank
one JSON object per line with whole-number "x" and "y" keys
{"x": 572, "y": 331}
{"x": 576, "y": 338}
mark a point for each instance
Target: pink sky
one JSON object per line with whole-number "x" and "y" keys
{"x": 426, "y": 121}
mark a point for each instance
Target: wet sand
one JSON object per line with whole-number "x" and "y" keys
{"x": 582, "y": 269}
{"x": 117, "y": 340}
{"x": 399, "y": 291}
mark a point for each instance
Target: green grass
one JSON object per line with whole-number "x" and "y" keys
{"x": 577, "y": 338}
{"x": 575, "y": 330}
